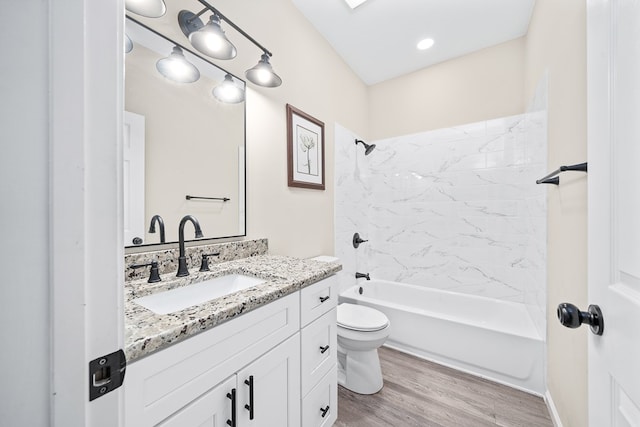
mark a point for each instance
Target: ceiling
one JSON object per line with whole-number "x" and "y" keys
{"x": 378, "y": 39}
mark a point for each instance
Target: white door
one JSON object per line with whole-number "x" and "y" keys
{"x": 133, "y": 178}
{"x": 613, "y": 71}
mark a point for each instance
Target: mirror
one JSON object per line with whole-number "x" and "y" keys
{"x": 184, "y": 149}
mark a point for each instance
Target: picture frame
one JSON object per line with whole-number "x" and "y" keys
{"x": 305, "y": 150}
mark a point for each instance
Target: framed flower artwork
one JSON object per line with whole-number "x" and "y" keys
{"x": 305, "y": 150}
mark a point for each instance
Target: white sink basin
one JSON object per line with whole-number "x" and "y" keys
{"x": 198, "y": 293}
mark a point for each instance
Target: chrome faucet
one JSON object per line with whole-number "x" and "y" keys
{"x": 182, "y": 259}
{"x": 152, "y": 226}
{"x": 363, "y": 276}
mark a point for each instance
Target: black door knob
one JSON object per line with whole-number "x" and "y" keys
{"x": 571, "y": 317}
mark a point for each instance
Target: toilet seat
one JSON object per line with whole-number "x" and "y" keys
{"x": 360, "y": 318}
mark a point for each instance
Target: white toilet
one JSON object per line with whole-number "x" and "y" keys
{"x": 361, "y": 330}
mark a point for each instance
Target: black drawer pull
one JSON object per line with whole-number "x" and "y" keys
{"x": 323, "y": 299}
{"x": 324, "y": 411}
{"x": 232, "y": 396}
{"x": 323, "y": 349}
{"x": 249, "y": 407}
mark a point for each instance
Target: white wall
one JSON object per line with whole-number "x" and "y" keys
{"x": 556, "y": 44}
{"x": 479, "y": 86}
{"x": 24, "y": 219}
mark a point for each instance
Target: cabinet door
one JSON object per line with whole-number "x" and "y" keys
{"x": 212, "y": 409}
{"x": 275, "y": 382}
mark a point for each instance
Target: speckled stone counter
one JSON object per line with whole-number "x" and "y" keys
{"x": 147, "y": 332}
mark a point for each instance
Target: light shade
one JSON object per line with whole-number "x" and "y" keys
{"x": 262, "y": 74}
{"x": 228, "y": 92}
{"x": 176, "y": 67}
{"x": 148, "y": 8}
{"x": 128, "y": 44}
{"x": 212, "y": 41}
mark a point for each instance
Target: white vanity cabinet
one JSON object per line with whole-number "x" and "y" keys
{"x": 318, "y": 348}
{"x": 260, "y": 369}
{"x": 260, "y": 394}
{"x": 179, "y": 381}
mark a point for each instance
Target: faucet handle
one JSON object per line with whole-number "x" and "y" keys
{"x": 204, "y": 266}
{"x": 154, "y": 274}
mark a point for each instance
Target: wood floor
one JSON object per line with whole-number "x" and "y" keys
{"x": 425, "y": 394}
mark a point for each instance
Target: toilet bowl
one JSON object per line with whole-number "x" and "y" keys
{"x": 361, "y": 330}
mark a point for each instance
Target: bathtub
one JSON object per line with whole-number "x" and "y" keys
{"x": 482, "y": 336}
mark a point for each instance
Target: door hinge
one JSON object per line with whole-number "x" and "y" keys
{"x": 106, "y": 374}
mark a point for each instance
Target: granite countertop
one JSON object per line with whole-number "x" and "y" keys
{"x": 147, "y": 332}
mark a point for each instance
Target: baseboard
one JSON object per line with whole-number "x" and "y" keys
{"x": 553, "y": 411}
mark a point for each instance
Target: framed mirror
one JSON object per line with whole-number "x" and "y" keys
{"x": 184, "y": 148}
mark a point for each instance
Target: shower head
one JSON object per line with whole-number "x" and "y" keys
{"x": 367, "y": 148}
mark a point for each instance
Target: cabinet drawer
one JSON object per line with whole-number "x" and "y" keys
{"x": 320, "y": 406}
{"x": 318, "y": 349}
{"x": 317, "y": 299}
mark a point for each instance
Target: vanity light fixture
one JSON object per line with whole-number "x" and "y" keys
{"x": 176, "y": 67}
{"x": 262, "y": 73}
{"x": 148, "y": 8}
{"x": 228, "y": 92}
{"x": 211, "y": 40}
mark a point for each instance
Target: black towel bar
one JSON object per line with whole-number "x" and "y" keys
{"x": 555, "y": 180}
{"x": 224, "y": 199}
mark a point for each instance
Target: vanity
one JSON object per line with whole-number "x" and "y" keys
{"x": 252, "y": 340}
{"x": 261, "y": 356}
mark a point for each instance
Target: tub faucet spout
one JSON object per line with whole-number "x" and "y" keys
{"x": 363, "y": 275}
{"x": 182, "y": 259}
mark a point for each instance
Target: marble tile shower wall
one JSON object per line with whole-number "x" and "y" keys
{"x": 352, "y": 205}
{"x": 455, "y": 209}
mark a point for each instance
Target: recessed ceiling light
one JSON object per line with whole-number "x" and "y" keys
{"x": 354, "y": 3}
{"x": 425, "y": 44}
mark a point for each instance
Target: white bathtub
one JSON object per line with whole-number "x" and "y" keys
{"x": 486, "y": 337}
